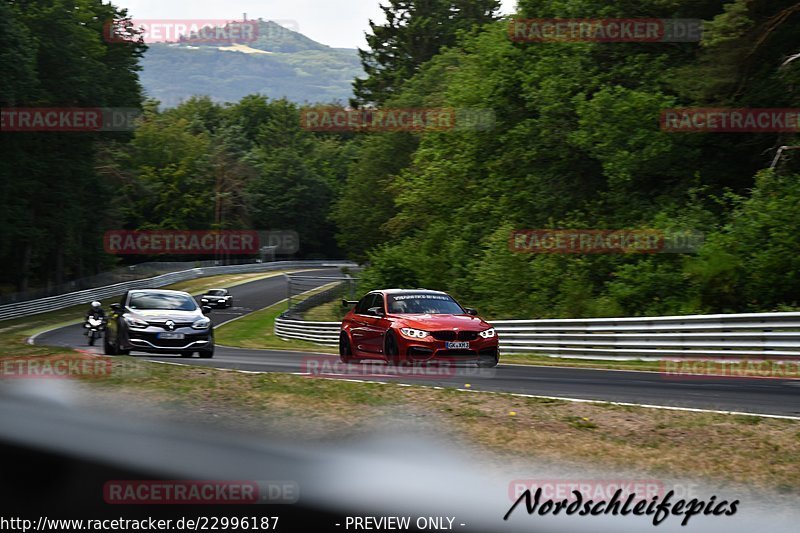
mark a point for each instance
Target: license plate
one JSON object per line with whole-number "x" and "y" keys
{"x": 171, "y": 336}
{"x": 458, "y": 346}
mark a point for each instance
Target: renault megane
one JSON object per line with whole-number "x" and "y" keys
{"x": 159, "y": 321}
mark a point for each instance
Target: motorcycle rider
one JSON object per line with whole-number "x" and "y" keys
{"x": 95, "y": 311}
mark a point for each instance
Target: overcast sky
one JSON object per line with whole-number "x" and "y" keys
{"x": 338, "y": 23}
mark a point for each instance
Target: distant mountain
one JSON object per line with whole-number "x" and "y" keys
{"x": 278, "y": 63}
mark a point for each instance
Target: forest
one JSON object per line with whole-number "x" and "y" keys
{"x": 576, "y": 142}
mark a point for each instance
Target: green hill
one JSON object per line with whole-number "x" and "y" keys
{"x": 278, "y": 63}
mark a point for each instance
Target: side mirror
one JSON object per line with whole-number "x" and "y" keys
{"x": 116, "y": 308}
{"x": 377, "y": 311}
{"x": 206, "y": 309}
{"x": 348, "y": 303}
{"x": 471, "y": 311}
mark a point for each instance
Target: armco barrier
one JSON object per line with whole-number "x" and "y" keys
{"x": 742, "y": 335}
{"x": 325, "y": 333}
{"x": 119, "y": 275}
{"x": 53, "y": 303}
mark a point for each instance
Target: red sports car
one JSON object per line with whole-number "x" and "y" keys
{"x": 408, "y": 326}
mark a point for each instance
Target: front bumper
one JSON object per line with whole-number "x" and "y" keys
{"x": 147, "y": 340}
{"x": 429, "y": 349}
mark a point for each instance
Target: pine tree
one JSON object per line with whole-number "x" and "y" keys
{"x": 414, "y": 32}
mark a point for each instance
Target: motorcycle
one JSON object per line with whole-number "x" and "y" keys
{"x": 96, "y": 325}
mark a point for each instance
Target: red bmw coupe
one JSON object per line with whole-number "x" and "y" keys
{"x": 414, "y": 326}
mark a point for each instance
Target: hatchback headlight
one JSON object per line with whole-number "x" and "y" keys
{"x": 136, "y": 323}
{"x": 489, "y": 333}
{"x": 203, "y": 323}
{"x": 414, "y": 333}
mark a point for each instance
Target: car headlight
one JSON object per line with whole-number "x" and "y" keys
{"x": 489, "y": 333}
{"x": 414, "y": 333}
{"x": 136, "y": 323}
{"x": 203, "y": 323}
{"x": 204, "y": 300}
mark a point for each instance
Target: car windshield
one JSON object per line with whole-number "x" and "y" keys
{"x": 424, "y": 304}
{"x": 162, "y": 301}
{"x": 217, "y": 292}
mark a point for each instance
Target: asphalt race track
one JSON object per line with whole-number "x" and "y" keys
{"x": 762, "y": 396}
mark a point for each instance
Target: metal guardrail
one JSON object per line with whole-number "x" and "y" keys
{"x": 324, "y": 333}
{"x": 710, "y": 336}
{"x": 317, "y": 299}
{"x": 118, "y": 275}
{"x": 309, "y": 298}
{"x": 53, "y": 303}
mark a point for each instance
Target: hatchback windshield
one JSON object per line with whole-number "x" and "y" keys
{"x": 216, "y": 292}
{"x": 424, "y": 304}
{"x": 162, "y": 301}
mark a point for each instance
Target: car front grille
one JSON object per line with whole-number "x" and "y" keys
{"x": 455, "y": 336}
{"x": 163, "y": 324}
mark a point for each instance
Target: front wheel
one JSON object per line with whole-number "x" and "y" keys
{"x": 119, "y": 351}
{"x": 108, "y": 348}
{"x": 345, "y": 349}
{"x": 390, "y": 349}
{"x": 208, "y": 354}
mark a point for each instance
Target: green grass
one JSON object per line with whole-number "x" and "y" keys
{"x": 579, "y": 422}
{"x": 500, "y": 427}
{"x": 755, "y": 452}
{"x": 544, "y": 360}
{"x": 257, "y": 331}
{"x": 327, "y": 312}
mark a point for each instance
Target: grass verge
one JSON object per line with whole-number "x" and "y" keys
{"x": 757, "y": 452}
{"x": 327, "y": 312}
{"x": 257, "y": 331}
{"x": 753, "y": 451}
{"x": 543, "y": 360}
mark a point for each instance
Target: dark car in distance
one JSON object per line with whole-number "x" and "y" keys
{"x": 159, "y": 321}
{"x": 217, "y": 298}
